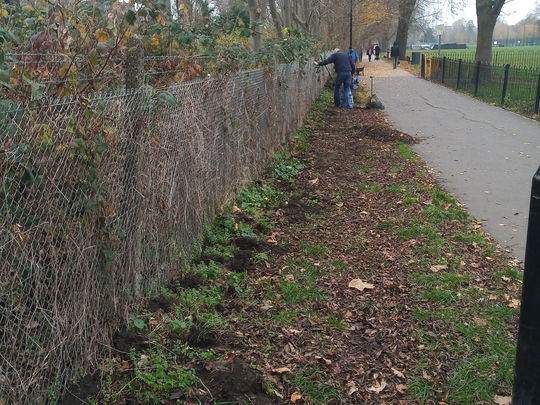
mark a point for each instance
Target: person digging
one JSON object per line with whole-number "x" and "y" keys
{"x": 344, "y": 68}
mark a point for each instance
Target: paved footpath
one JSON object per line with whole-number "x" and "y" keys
{"x": 483, "y": 155}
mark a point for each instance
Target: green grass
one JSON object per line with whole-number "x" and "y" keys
{"x": 312, "y": 383}
{"x": 406, "y": 152}
{"x": 315, "y": 251}
{"x": 286, "y": 317}
{"x": 524, "y": 56}
{"x": 371, "y": 187}
{"x": 336, "y": 323}
{"x": 363, "y": 169}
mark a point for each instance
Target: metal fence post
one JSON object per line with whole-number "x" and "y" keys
{"x": 423, "y": 66}
{"x": 505, "y": 83}
{"x": 443, "y": 69}
{"x": 537, "y": 102}
{"x": 526, "y": 389}
{"x": 476, "y": 77}
{"x": 130, "y": 204}
{"x": 460, "y": 61}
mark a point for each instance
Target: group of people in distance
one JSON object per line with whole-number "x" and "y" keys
{"x": 345, "y": 65}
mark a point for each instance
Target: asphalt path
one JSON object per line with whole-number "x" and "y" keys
{"x": 483, "y": 155}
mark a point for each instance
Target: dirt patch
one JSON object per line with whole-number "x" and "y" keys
{"x": 241, "y": 261}
{"x": 124, "y": 340}
{"x": 236, "y": 382}
{"x": 383, "y": 134}
{"x": 202, "y": 336}
{"x": 160, "y": 304}
{"x": 189, "y": 280}
{"x": 86, "y": 387}
{"x": 297, "y": 211}
{"x": 246, "y": 243}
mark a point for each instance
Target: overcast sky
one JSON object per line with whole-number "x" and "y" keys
{"x": 512, "y": 12}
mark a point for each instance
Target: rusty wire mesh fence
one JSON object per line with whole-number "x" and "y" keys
{"x": 101, "y": 195}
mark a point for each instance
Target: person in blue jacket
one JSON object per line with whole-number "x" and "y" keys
{"x": 344, "y": 67}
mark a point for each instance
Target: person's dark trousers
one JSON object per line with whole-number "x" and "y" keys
{"x": 345, "y": 79}
{"x": 394, "y": 61}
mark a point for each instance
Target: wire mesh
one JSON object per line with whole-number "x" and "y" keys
{"x": 102, "y": 195}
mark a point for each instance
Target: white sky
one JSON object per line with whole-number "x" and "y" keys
{"x": 512, "y": 12}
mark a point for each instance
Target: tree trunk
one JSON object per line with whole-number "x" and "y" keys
{"x": 254, "y": 20}
{"x": 287, "y": 13}
{"x": 406, "y": 9}
{"x": 487, "y": 12}
{"x": 275, "y": 18}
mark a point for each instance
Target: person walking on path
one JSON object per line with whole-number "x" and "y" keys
{"x": 344, "y": 67}
{"x": 377, "y": 51}
{"x": 369, "y": 53}
{"x": 361, "y": 54}
{"x": 394, "y": 54}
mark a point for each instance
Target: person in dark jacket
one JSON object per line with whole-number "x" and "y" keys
{"x": 377, "y": 51}
{"x": 394, "y": 54}
{"x": 344, "y": 67}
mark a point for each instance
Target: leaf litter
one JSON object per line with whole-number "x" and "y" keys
{"x": 339, "y": 324}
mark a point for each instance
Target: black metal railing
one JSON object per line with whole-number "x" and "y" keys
{"x": 514, "y": 88}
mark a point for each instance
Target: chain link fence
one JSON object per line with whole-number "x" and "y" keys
{"x": 102, "y": 195}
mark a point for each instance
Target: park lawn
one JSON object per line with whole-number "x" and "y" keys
{"x": 527, "y": 57}
{"x": 346, "y": 275}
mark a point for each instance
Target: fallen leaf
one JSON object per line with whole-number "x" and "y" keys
{"x": 398, "y": 373}
{"x": 505, "y": 278}
{"x": 360, "y": 285}
{"x": 514, "y": 303}
{"x": 501, "y": 400}
{"x": 481, "y": 322}
{"x": 281, "y": 370}
{"x": 314, "y": 181}
{"x": 236, "y": 210}
{"x": 295, "y": 396}
{"x": 438, "y": 267}
{"x": 426, "y": 375}
{"x": 377, "y": 387}
{"x": 401, "y": 388}
{"x": 352, "y": 388}
{"x": 143, "y": 362}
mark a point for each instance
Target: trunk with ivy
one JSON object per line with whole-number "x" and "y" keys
{"x": 255, "y": 20}
{"x": 406, "y": 9}
{"x": 275, "y": 18}
{"x": 487, "y": 12}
